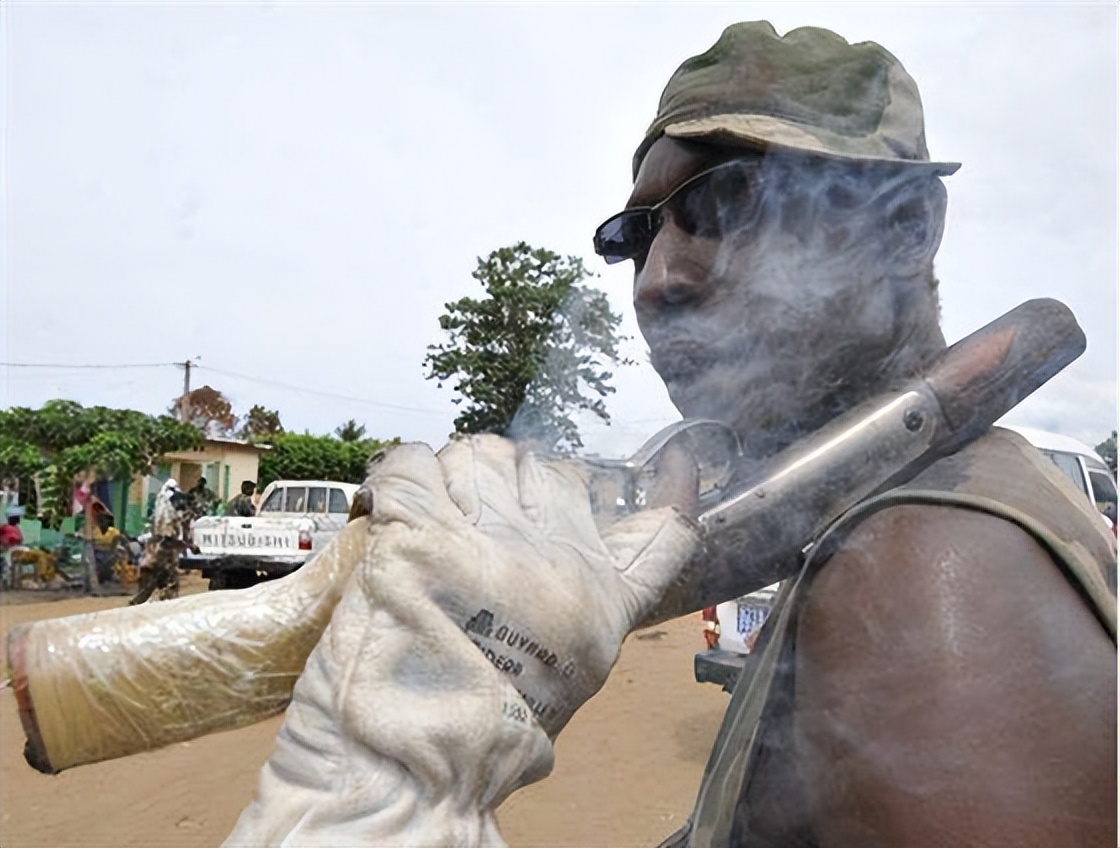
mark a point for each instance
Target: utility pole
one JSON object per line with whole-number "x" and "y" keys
{"x": 185, "y": 400}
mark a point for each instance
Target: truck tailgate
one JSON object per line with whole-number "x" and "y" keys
{"x": 248, "y": 537}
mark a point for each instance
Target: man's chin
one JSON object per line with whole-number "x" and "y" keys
{"x": 765, "y": 415}
{"x": 706, "y": 398}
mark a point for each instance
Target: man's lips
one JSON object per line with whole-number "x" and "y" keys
{"x": 679, "y": 361}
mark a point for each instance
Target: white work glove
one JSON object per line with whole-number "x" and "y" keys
{"x": 486, "y": 610}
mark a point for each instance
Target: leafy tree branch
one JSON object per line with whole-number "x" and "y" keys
{"x": 531, "y": 353}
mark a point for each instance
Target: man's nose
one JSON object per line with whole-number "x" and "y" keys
{"x": 674, "y": 274}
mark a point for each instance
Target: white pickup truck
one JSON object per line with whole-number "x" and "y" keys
{"x": 296, "y": 519}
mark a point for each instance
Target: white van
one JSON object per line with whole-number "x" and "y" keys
{"x": 731, "y": 628}
{"x": 1081, "y": 464}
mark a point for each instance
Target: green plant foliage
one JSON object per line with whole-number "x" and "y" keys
{"x": 1107, "y": 450}
{"x": 261, "y": 424}
{"x": 532, "y": 352}
{"x": 351, "y": 431}
{"x": 70, "y": 439}
{"x": 301, "y": 456}
{"x": 54, "y": 496}
{"x": 114, "y": 454}
{"x": 19, "y": 459}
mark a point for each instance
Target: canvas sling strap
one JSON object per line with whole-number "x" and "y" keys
{"x": 719, "y": 801}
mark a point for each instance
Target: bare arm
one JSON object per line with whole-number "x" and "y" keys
{"x": 952, "y": 689}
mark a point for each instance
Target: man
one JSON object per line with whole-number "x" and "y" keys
{"x": 941, "y": 682}
{"x": 108, "y": 546}
{"x": 10, "y": 534}
{"x": 10, "y": 537}
{"x": 202, "y": 500}
{"x": 242, "y": 504}
{"x": 159, "y": 568}
{"x": 940, "y": 679}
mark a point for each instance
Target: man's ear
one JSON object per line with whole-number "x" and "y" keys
{"x": 915, "y": 221}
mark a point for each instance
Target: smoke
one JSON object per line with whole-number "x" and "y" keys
{"x": 819, "y": 293}
{"x": 578, "y": 349}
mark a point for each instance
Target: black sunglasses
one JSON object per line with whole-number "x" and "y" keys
{"x": 711, "y": 204}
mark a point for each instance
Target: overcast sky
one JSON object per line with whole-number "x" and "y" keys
{"x": 291, "y": 192}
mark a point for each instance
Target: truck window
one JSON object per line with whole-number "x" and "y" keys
{"x": 1069, "y": 465}
{"x": 296, "y": 499}
{"x": 338, "y": 502}
{"x": 1104, "y": 492}
{"x": 317, "y": 499}
{"x": 274, "y": 502}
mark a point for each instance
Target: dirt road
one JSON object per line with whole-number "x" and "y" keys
{"x": 626, "y": 774}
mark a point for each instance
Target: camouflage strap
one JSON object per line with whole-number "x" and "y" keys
{"x": 735, "y": 746}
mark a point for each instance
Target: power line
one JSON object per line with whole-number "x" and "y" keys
{"x": 68, "y": 365}
{"x": 222, "y": 371}
{"x": 333, "y": 395}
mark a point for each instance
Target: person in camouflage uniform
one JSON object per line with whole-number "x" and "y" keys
{"x": 202, "y": 500}
{"x": 242, "y": 505}
{"x": 159, "y": 569}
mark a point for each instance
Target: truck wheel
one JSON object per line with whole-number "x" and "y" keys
{"x": 217, "y": 582}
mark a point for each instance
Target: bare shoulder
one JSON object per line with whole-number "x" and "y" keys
{"x": 947, "y": 670}
{"x": 938, "y": 569}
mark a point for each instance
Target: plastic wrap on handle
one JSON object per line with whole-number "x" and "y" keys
{"x": 107, "y": 684}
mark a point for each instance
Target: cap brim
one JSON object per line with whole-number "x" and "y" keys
{"x": 766, "y": 131}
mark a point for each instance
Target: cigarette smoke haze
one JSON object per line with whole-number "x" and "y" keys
{"x": 820, "y": 293}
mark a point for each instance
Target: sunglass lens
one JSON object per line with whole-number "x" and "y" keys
{"x": 624, "y": 236}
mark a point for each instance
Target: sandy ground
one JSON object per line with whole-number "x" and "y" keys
{"x": 626, "y": 775}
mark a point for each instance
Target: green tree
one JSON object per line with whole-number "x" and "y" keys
{"x": 532, "y": 352}
{"x": 70, "y": 439}
{"x": 261, "y": 424}
{"x": 301, "y": 456}
{"x": 1107, "y": 450}
{"x": 18, "y": 459}
{"x": 351, "y": 431}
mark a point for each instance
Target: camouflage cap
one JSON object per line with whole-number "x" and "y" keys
{"x": 808, "y": 91}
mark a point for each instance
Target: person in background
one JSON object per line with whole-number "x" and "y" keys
{"x": 159, "y": 569}
{"x": 10, "y": 537}
{"x": 10, "y": 534}
{"x": 242, "y": 504}
{"x": 202, "y": 500}
{"x": 107, "y": 546}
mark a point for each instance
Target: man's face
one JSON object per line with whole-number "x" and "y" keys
{"x": 769, "y": 318}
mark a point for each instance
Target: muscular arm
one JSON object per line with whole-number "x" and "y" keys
{"x": 952, "y": 689}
